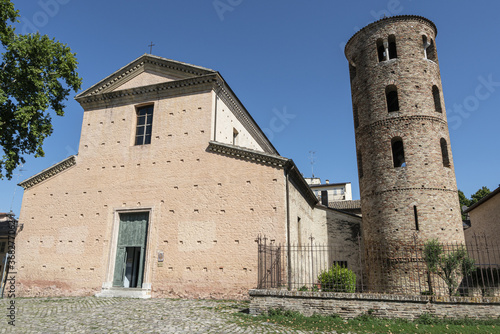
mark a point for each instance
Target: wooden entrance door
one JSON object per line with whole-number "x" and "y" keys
{"x": 131, "y": 250}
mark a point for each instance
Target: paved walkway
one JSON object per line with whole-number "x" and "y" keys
{"x": 118, "y": 315}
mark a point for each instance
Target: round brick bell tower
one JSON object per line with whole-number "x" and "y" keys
{"x": 406, "y": 175}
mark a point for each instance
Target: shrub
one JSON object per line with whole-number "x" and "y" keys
{"x": 337, "y": 279}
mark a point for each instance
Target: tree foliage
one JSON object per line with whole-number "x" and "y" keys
{"x": 36, "y": 76}
{"x": 464, "y": 201}
{"x": 478, "y": 195}
{"x": 451, "y": 266}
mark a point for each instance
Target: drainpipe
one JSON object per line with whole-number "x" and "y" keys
{"x": 289, "y": 258}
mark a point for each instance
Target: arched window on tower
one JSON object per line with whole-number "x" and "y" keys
{"x": 352, "y": 71}
{"x": 360, "y": 164}
{"x": 380, "y": 50}
{"x": 356, "y": 119}
{"x": 444, "y": 153}
{"x": 398, "y": 152}
{"x": 426, "y": 44}
{"x": 392, "y": 47}
{"x": 429, "y": 48}
{"x": 437, "y": 99}
{"x": 391, "y": 94}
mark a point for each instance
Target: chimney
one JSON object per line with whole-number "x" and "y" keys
{"x": 327, "y": 181}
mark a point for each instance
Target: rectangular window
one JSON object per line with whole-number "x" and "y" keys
{"x": 144, "y": 125}
{"x": 2, "y": 247}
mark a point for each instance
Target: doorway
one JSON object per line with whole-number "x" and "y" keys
{"x": 131, "y": 249}
{"x": 132, "y": 262}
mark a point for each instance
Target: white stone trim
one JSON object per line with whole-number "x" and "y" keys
{"x": 49, "y": 172}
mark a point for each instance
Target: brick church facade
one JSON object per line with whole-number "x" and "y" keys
{"x": 172, "y": 183}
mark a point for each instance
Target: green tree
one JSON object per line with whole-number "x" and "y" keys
{"x": 36, "y": 76}
{"x": 464, "y": 201}
{"x": 450, "y": 266}
{"x": 476, "y": 197}
{"x": 473, "y": 200}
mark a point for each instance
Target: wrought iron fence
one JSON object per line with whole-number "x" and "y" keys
{"x": 471, "y": 269}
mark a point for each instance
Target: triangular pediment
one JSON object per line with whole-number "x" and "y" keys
{"x": 147, "y": 77}
{"x": 145, "y": 70}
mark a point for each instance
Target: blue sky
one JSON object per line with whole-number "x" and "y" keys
{"x": 281, "y": 57}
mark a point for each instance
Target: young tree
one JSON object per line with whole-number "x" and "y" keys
{"x": 450, "y": 266}
{"x": 36, "y": 75}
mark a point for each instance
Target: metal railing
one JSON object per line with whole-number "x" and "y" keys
{"x": 379, "y": 268}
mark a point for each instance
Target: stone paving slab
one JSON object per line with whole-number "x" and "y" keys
{"x": 120, "y": 315}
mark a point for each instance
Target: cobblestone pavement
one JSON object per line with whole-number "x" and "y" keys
{"x": 119, "y": 315}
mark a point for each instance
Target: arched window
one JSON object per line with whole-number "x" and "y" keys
{"x": 398, "y": 152}
{"x": 437, "y": 99}
{"x": 392, "y": 47}
{"x": 429, "y": 49}
{"x": 381, "y": 50}
{"x": 352, "y": 71}
{"x": 356, "y": 119}
{"x": 425, "y": 44}
{"x": 444, "y": 153}
{"x": 360, "y": 164}
{"x": 391, "y": 94}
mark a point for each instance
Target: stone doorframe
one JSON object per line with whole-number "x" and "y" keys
{"x": 107, "y": 286}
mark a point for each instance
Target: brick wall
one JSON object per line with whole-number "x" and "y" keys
{"x": 418, "y": 199}
{"x": 384, "y": 306}
{"x": 205, "y": 209}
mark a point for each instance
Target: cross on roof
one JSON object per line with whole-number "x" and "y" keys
{"x": 151, "y": 47}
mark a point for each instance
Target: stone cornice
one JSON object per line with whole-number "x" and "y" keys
{"x": 412, "y": 189}
{"x": 231, "y": 100}
{"x": 269, "y": 160}
{"x": 137, "y": 66}
{"x": 247, "y": 154}
{"x": 150, "y": 92}
{"x": 300, "y": 183}
{"x": 49, "y": 172}
{"x": 392, "y": 120}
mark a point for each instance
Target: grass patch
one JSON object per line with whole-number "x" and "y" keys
{"x": 369, "y": 324}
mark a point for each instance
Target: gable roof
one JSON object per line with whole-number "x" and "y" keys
{"x": 140, "y": 65}
{"x": 345, "y": 205}
{"x": 483, "y": 200}
{"x": 273, "y": 160}
{"x": 322, "y": 185}
{"x": 328, "y": 208}
{"x": 180, "y": 78}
